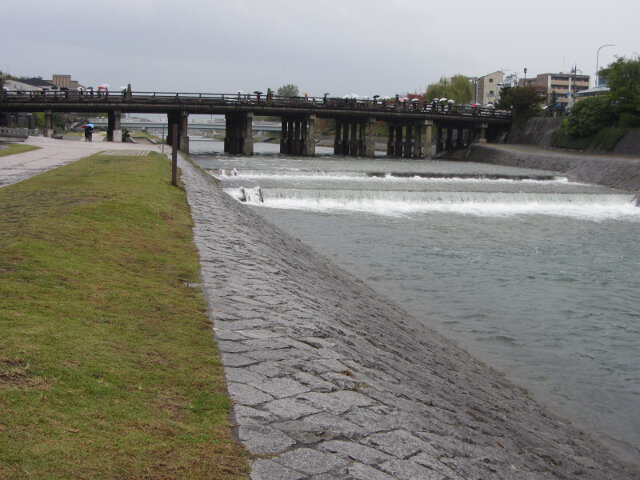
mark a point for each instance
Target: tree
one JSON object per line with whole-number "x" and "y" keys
{"x": 623, "y": 79}
{"x": 590, "y": 115}
{"x": 289, "y": 90}
{"x": 457, "y": 88}
{"x": 524, "y": 101}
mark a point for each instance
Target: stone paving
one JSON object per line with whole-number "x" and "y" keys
{"x": 331, "y": 381}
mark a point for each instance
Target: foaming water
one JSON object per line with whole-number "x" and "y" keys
{"x": 533, "y": 274}
{"x": 394, "y": 203}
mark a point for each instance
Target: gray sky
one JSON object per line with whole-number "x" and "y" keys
{"x": 366, "y": 47}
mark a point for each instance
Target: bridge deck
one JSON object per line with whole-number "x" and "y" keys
{"x": 220, "y": 104}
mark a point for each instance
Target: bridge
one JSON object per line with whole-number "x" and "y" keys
{"x": 218, "y": 126}
{"x": 415, "y": 129}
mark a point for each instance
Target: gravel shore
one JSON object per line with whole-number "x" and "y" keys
{"x": 332, "y": 381}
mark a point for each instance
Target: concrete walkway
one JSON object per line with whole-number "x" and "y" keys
{"x": 331, "y": 381}
{"x": 53, "y": 153}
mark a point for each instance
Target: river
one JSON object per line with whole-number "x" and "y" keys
{"x": 536, "y": 276}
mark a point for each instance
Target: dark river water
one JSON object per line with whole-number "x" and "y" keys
{"x": 534, "y": 275}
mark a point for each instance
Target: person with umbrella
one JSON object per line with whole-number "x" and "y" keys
{"x": 88, "y": 132}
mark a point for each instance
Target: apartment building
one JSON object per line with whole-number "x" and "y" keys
{"x": 487, "y": 88}
{"x": 565, "y": 85}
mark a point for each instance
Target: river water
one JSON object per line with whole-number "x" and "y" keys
{"x": 536, "y": 276}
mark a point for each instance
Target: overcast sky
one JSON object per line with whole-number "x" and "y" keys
{"x": 366, "y": 47}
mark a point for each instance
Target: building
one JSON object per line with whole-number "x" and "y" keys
{"x": 565, "y": 86}
{"x": 487, "y": 88}
{"x": 27, "y": 85}
{"x": 591, "y": 92}
{"x": 58, "y": 82}
{"x": 64, "y": 81}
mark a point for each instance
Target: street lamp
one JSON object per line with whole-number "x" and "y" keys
{"x": 598, "y": 61}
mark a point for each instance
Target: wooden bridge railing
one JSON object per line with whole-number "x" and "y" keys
{"x": 186, "y": 99}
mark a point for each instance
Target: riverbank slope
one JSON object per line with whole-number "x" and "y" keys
{"x": 331, "y": 380}
{"x": 615, "y": 171}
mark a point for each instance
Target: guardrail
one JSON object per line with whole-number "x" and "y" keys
{"x": 22, "y": 133}
{"x": 260, "y": 100}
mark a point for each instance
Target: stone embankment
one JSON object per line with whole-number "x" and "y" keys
{"x": 332, "y": 381}
{"x": 613, "y": 171}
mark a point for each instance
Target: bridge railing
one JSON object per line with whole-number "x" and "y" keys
{"x": 261, "y": 100}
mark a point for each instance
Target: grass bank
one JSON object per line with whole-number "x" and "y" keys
{"x": 12, "y": 148}
{"x": 606, "y": 139}
{"x": 107, "y": 364}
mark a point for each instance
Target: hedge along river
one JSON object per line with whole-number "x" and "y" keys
{"x": 534, "y": 275}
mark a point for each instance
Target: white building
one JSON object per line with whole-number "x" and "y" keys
{"x": 487, "y": 88}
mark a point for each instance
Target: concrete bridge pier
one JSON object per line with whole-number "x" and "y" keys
{"x": 337, "y": 139}
{"x": 369, "y": 142}
{"x": 439, "y": 135}
{"x": 355, "y": 137}
{"x": 449, "y": 140}
{"x": 482, "y": 128}
{"x": 422, "y": 143}
{"x": 181, "y": 119}
{"x": 410, "y": 139}
{"x": 309, "y": 136}
{"x": 298, "y": 135}
{"x": 428, "y": 139}
{"x": 394, "y": 142}
{"x": 48, "y": 123}
{"x": 239, "y": 133}
{"x": 114, "y": 134}
{"x": 342, "y": 139}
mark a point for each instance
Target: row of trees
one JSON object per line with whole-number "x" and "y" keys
{"x": 458, "y": 88}
{"x": 619, "y": 108}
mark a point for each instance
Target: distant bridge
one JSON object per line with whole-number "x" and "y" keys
{"x": 415, "y": 129}
{"x": 198, "y": 126}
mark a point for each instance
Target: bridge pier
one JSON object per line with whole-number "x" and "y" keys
{"x": 48, "y": 123}
{"x": 239, "y": 133}
{"x": 369, "y": 141}
{"x": 297, "y": 136}
{"x": 114, "y": 134}
{"x": 409, "y": 139}
{"x": 482, "y": 127}
{"x": 449, "y": 140}
{"x": 428, "y": 139}
{"x": 355, "y": 137}
{"x": 182, "y": 120}
{"x": 439, "y": 135}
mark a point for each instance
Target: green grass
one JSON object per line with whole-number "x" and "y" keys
{"x": 108, "y": 368}
{"x": 16, "y": 148}
{"x": 608, "y": 137}
{"x": 561, "y": 139}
